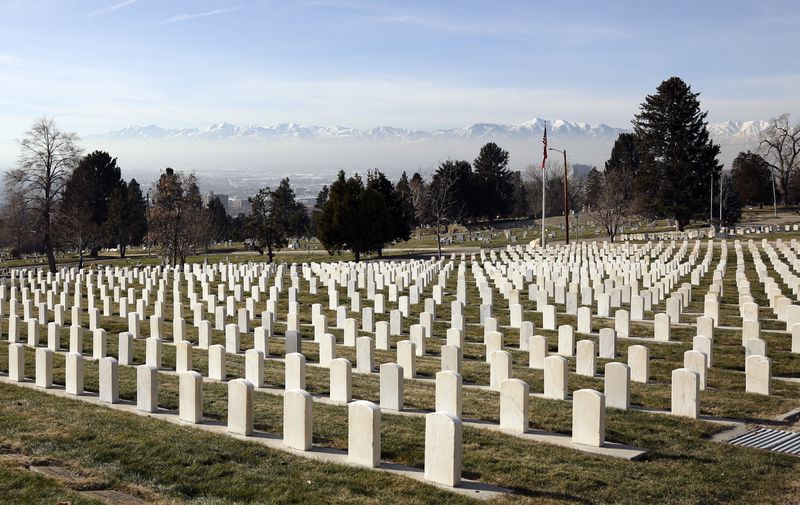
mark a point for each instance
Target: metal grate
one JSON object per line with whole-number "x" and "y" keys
{"x": 787, "y": 442}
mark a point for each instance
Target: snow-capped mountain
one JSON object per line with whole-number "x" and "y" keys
{"x": 737, "y": 129}
{"x": 559, "y": 128}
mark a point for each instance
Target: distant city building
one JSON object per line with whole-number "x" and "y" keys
{"x": 210, "y": 195}
{"x": 238, "y": 205}
{"x": 579, "y": 170}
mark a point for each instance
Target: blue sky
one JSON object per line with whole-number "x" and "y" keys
{"x": 98, "y": 65}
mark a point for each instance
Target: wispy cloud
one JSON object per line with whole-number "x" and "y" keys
{"x": 110, "y": 8}
{"x": 506, "y": 27}
{"x": 386, "y": 14}
{"x": 9, "y": 59}
{"x": 186, "y": 17}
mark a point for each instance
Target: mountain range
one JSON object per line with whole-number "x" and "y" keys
{"x": 739, "y": 131}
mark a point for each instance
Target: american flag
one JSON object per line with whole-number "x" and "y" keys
{"x": 544, "y": 141}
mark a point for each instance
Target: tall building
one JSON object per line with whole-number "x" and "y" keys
{"x": 579, "y": 170}
{"x": 210, "y": 195}
{"x": 238, "y": 205}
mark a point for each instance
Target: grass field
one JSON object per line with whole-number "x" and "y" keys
{"x": 163, "y": 463}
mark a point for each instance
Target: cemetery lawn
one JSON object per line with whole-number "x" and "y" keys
{"x": 19, "y": 485}
{"x": 164, "y": 463}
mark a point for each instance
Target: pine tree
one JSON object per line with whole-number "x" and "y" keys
{"x": 678, "y": 158}
{"x": 420, "y": 198}
{"x": 752, "y": 178}
{"x": 127, "y": 217}
{"x": 106, "y": 177}
{"x": 625, "y": 160}
{"x": 393, "y": 215}
{"x": 493, "y": 182}
{"x": 731, "y": 203}
{"x": 406, "y": 196}
{"x": 271, "y": 217}
{"x": 448, "y": 196}
{"x": 520, "y": 198}
{"x": 218, "y": 221}
{"x": 137, "y": 214}
{"x": 322, "y": 197}
{"x": 594, "y": 188}
{"x": 352, "y": 218}
{"x": 76, "y": 229}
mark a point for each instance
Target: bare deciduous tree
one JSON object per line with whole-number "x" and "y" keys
{"x": 443, "y": 205}
{"x": 176, "y": 219}
{"x": 553, "y": 190}
{"x": 77, "y": 232}
{"x": 780, "y": 146}
{"x": 612, "y": 206}
{"x": 17, "y": 225}
{"x": 48, "y": 156}
{"x": 419, "y": 197}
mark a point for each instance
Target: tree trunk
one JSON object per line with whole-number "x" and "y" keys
{"x": 80, "y": 258}
{"x": 357, "y": 254}
{"x": 270, "y": 254}
{"x": 122, "y": 250}
{"x": 48, "y": 250}
{"x": 438, "y": 240}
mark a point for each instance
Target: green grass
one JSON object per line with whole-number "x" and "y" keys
{"x": 166, "y": 462}
{"x": 18, "y": 485}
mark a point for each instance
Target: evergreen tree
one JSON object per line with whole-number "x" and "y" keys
{"x": 678, "y": 159}
{"x": 420, "y": 198}
{"x": 127, "y": 217}
{"x": 406, "y": 195}
{"x": 105, "y": 177}
{"x": 218, "y": 221}
{"x": 461, "y": 188}
{"x": 115, "y": 229}
{"x": 625, "y": 160}
{"x": 351, "y": 218}
{"x": 731, "y": 203}
{"x": 447, "y": 203}
{"x": 624, "y": 155}
{"x": 137, "y": 214}
{"x": 239, "y": 228}
{"x": 296, "y": 215}
{"x": 395, "y": 222}
{"x": 520, "y": 198}
{"x": 594, "y": 188}
{"x": 752, "y": 178}
{"x": 76, "y": 229}
{"x": 270, "y": 221}
{"x": 493, "y": 183}
{"x": 322, "y": 197}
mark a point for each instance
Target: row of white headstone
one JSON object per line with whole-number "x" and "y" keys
{"x": 443, "y": 430}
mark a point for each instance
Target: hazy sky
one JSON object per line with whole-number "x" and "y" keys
{"x": 98, "y": 65}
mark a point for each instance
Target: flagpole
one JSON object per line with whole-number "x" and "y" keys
{"x": 544, "y": 160}
{"x": 543, "y": 178}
